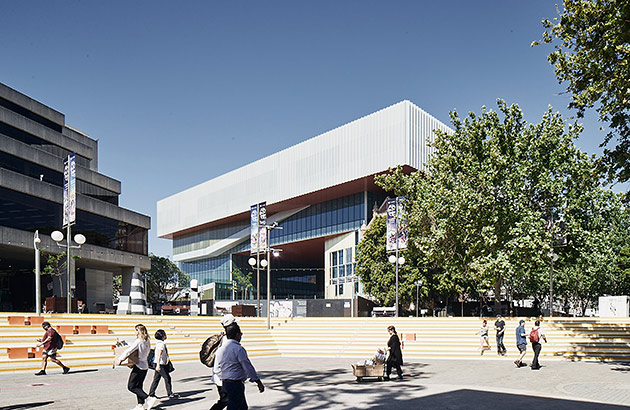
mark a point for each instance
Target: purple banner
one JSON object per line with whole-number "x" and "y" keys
{"x": 69, "y": 190}
{"x": 262, "y": 224}
{"x": 403, "y": 222}
{"x": 253, "y": 231}
{"x": 391, "y": 225}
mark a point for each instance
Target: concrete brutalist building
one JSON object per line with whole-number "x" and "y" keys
{"x": 34, "y": 141}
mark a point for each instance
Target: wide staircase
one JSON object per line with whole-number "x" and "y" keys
{"x": 84, "y": 349}
{"x": 450, "y": 338}
{"x": 447, "y": 338}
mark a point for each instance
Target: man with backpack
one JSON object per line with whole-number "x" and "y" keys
{"x": 236, "y": 368}
{"x": 51, "y": 342}
{"x": 534, "y": 336}
{"x": 216, "y": 368}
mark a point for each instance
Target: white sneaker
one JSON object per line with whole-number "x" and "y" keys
{"x": 151, "y": 402}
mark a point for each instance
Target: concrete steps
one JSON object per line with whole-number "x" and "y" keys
{"x": 185, "y": 337}
{"x": 447, "y": 338}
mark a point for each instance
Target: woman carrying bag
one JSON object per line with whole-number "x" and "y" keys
{"x": 163, "y": 367}
{"x": 139, "y": 371}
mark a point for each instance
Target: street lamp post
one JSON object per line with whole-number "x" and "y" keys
{"x": 397, "y": 260}
{"x": 554, "y": 257}
{"x": 256, "y": 262}
{"x": 57, "y": 236}
{"x": 38, "y": 284}
{"x": 418, "y": 284}
{"x": 269, "y": 229}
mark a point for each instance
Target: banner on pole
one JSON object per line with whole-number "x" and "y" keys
{"x": 403, "y": 222}
{"x": 391, "y": 224}
{"x": 257, "y": 227}
{"x": 69, "y": 190}
{"x": 253, "y": 229}
{"x": 397, "y": 224}
{"x": 262, "y": 225}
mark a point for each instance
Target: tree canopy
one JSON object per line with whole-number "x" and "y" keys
{"x": 592, "y": 55}
{"x": 163, "y": 279}
{"x": 498, "y": 196}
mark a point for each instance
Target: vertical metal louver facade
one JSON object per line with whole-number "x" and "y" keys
{"x": 396, "y": 135}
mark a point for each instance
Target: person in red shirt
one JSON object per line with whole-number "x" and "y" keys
{"x": 49, "y": 342}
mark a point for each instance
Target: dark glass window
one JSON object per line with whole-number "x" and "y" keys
{"x": 28, "y": 213}
{"x": 30, "y": 139}
{"x": 50, "y": 176}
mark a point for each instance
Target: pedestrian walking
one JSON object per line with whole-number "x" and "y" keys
{"x": 50, "y": 343}
{"x": 521, "y": 342}
{"x": 163, "y": 367}
{"x": 142, "y": 345}
{"x": 222, "y": 402}
{"x": 499, "y": 326}
{"x": 395, "y": 358}
{"x": 484, "y": 343}
{"x": 236, "y": 368}
{"x": 535, "y": 335}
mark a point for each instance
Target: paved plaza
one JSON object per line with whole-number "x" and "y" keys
{"x": 328, "y": 383}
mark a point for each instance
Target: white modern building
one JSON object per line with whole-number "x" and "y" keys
{"x": 320, "y": 191}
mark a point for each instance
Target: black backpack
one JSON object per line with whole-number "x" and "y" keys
{"x": 209, "y": 349}
{"x": 59, "y": 345}
{"x": 151, "y": 358}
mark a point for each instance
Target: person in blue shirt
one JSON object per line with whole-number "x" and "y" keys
{"x": 235, "y": 369}
{"x": 521, "y": 342}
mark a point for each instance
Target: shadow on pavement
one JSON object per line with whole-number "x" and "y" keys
{"x": 207, "y": 379}
{"x": 478, "y": 400}
{"x": 27, "y": 405}
{"x": 82, "y": 371}
{"x": 188, "y": 393}
{"x": 617, "y": 366}
{"x": 317, "y": 389}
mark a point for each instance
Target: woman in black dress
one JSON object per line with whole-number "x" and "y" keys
{"x": 395, "y": 358}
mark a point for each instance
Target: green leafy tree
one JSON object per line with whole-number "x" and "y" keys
{"x": 55, "y": 265}
{"x": 592, "y": 55}
{"x": 163, "y": 279}
{"x": 481, "y": 212}
{"x": 242, "y": 281}
{"x": 595, "y": 233}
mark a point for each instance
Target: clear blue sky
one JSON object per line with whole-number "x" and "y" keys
{"x": 180, "y": 92}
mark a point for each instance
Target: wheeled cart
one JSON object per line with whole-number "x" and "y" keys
{"x": 376, "y": 370}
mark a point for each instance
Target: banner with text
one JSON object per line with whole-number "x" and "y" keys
{"x": 397, "y": 224}
{"x": 391, "y": 224}
{"x": 262, "y": 224}
{"x": 253, "y": 229}
{"x": 403, "y": 223}
{"x": 69, "y": 190}
{"x": 257, "y": 227}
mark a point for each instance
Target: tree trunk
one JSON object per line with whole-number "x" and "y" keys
{"x": 497, "y": 294}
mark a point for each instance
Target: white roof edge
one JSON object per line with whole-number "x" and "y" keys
{"x": 365, "y": 146}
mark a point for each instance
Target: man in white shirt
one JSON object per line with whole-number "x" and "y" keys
{"x": 236, "y": 368}
{"x": 226, "y": 321}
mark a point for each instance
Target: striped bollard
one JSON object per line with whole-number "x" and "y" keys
{"x": 138, "y": 299}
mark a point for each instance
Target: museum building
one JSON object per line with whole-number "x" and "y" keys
{"x": 320, "y": 192}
